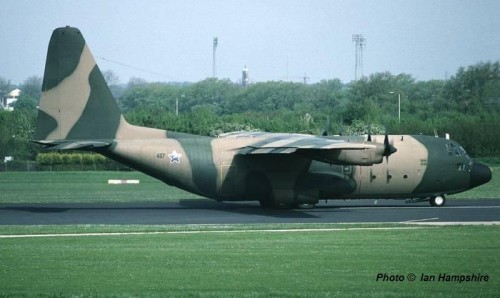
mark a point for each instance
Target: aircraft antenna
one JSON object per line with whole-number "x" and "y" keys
{"x": 138, "y": 68}
{"x": 360, "y": 42}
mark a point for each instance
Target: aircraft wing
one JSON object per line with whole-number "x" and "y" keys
{"x": 313, "y": 146}
{"x": 317, "y": 148}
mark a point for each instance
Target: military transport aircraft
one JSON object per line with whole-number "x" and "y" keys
{"x": 78, "y": 112}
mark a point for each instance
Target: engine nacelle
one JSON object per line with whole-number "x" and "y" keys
{"x": 363, "y": 157}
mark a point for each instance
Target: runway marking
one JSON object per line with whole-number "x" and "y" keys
{"x": 206, "y": 232}
{"x": 422, "y": 224}
{"x": 457, "y": 223}
{"x": 415, "y": 207}
{"x": 420, "y": 220}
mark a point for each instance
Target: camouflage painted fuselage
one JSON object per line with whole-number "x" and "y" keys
{"x": 78, "y": 112}
{"x": 422, "y": 167}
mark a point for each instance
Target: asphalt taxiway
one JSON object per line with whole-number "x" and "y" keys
{"x": 201, "y": 211}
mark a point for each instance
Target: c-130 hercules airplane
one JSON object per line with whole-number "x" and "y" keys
{"x": 78, "y": 112}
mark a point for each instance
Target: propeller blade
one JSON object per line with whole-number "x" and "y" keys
{"x": 389, "y": 148}
{"x": 386, "y": 145}
{"x": 369, "y": 133}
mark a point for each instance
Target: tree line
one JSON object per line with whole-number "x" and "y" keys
{"x": 467, "y": 106}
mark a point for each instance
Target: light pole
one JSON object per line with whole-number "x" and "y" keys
{"x": 177, "y": 104}
{"x": 399, "y": 106}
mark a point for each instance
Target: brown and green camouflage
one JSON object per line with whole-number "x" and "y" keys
{"x": 78, "y": 112}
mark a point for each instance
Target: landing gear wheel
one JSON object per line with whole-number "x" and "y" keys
{"x": 437, "y": 201}
{"x": 305, "y": 205}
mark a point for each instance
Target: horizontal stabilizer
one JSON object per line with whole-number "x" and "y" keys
{"x": 73, "y": 145}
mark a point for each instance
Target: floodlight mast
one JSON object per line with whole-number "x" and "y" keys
{"x": 360, "y": 42}
{"x": 215, "y": 42}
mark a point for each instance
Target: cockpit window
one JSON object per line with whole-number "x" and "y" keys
{"x": 454, "y": 150}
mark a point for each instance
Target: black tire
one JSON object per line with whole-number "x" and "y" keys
{"x": 305, "y": 205}
{"x": 437, "y": 201}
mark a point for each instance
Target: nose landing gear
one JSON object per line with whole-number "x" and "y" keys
{"x": 437, "y": 201}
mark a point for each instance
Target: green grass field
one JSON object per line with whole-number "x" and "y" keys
{"x": 84, "y": 187}
{"x": 489, "y": 190}
{"x": 92, "y": 187}
{"x": 229, "y": 261}
{"x": 251, "y": 263}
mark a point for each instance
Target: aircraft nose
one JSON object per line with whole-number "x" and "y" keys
{"x": 479, "y": 174}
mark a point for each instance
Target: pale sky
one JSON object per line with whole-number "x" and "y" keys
{"x": 428, "y": 39}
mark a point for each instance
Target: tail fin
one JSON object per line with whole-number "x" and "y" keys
{"x": 76, "y": 102}
{"x": 77, "y": 109}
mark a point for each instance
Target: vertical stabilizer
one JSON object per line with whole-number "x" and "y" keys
{"x": 76, "y": 102}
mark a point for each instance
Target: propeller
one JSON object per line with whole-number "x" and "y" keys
{"x": 389, "y": 148}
